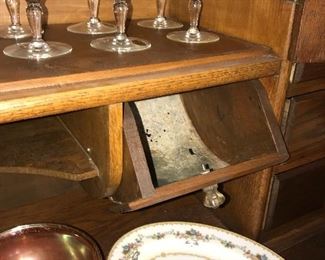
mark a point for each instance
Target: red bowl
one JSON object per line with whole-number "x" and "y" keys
{"x": 47, "y": 241}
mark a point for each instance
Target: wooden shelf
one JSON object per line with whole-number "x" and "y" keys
{"x": 92, "y": 216}
{"x": 88, "y": 78}
{"x": 43, "y": 147}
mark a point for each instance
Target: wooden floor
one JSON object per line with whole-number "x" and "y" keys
{"x": 74, "y": 207}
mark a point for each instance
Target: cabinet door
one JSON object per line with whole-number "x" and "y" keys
{"x": 297, "y": 192}
{"x": 309, "y": 32}
{"x": 305, "y": 130}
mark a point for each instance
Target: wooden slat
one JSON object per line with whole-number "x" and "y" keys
{"x": 43, "y": 147}
{"x": 115, "y": 147}
{"x": 305, "y": 87}
{"x": 137, "y": 158}
{"x": 295, "y": 232}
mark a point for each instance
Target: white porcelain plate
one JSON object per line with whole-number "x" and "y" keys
{"x": 187, "y": 241}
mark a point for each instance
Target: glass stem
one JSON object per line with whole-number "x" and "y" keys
{"x": 34, "y": 16}
{"x": 194, "y": 7}
{"x": 161, "y": 4}
{"x": 14, "y": 8}
{"x": 120, "y": 13}
{"x": 93, "y": 8}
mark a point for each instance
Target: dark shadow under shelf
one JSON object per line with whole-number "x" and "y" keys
{"x": 43, "y": 146}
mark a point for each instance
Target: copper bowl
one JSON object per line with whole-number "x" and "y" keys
{"x": 47, "y": 241}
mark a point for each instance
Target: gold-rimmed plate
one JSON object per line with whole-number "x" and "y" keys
{"x": 185, "y": 240}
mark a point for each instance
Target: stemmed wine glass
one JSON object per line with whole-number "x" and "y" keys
{"x": 93, "y": 25}
{"x": 15, "y": 29}
{"x": 193, "y": 34}
{"x": 37, "y": 48}
{"x": 160, "y": 22}
{"x": 120, "y": 42}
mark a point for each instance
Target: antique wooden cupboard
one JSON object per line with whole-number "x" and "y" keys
{"x": 72, "y": 117}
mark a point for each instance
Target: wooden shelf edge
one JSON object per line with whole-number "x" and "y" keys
{"x": 195, "y": 183}
{"x": 301, "y": 88}
{"x": 290, "y": 234}
{"x": 44, "y": 147}
{"x": 302, "y": 157}
{"x": 50, "y": 173}
{"x": 16, "y": 106}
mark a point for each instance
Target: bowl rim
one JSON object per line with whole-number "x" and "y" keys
{"x": 49, "y": 226}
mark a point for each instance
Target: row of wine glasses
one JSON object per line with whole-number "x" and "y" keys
{"x": 37, "y": 48}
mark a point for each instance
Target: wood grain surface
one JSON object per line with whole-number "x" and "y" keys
{"x": 308, "y": 32}
{"x": 268, "y": 155}
{"x": 97, "y": 78}
{"x": 297, "y": 192}
{"x": 99, "y": 132}
{"x": 76, "y": 208}
{"x": 230, "y": 122}
{"x": 306, "y": 87}
{"x": 263, "y": 22}
{"x": 44, "y": 147}
{"x": 305, "y": 136}
{"x": 294, "y": 232}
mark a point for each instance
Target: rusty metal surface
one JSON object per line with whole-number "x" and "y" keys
{"x": 176, "y": 149}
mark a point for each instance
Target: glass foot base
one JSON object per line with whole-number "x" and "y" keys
{"x": 12, "y": 32}
{"x": 163, "y": 24}
{"x": 131, "y": 44}
{"x": 88, "y": 28}
{"x": 22, "y": 51}
{"x": 202, "y": 37}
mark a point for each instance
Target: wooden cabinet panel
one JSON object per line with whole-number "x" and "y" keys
{"x": 297, "y": 192}
{"x": 308, "y": 71}
{"x": 305, "y": 130}
{"x": 309, "y": 31}
{"x": 306, "y": 125}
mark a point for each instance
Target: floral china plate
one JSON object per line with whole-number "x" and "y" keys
{"x": 187, "y": 241}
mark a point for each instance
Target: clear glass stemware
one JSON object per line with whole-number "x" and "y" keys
{"x": 160, "y": 22}
{"x": 37, "y": 48}
{"x": 93, "y": 25}
{"x": 193, "y": 34}
{"x": 15, "y": 30}
{"x": 120, "y": 42}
